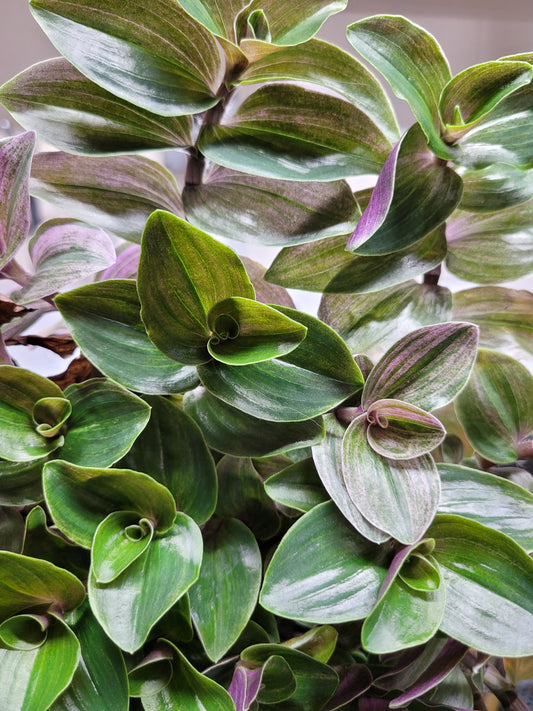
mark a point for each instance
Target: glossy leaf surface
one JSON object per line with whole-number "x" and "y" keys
{"x": 225, "y": 594}
{"x": 128, "y": 607}
{"x": 219, "y": 18}
{"x": 263, "y": 211}
{"x": 495, "y": 187}
{"x": 415, "y": 193}
{"x": 195, "y": 272}
{"x": 294, "y": 21}
{"x": 81, "y": 497}
{"x": 411, "y": 61}
{"x": 297, "y": 486}
{"x": 427, "y": 368}
{"x": 159, "y": 59}
{"x": 399, "y": 496}
{"x": 173, "y": 451}
{"x": 122, "y": 351}
{"x": 20, "y": 482}
{"x": 489, "y": 587}
{"x": 322, "y": 571}
{"x": 287, "y": 132}
{"x": 487, "y": 499}
{"x": 496, "y": 407}
{"x": 119, "y": 540}
{"x": 75, "y": 115}
{"x": 15, "y": 162}
{"x": 116, "y": 193}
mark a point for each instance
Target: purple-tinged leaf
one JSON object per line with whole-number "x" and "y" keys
{"x": 62, "y": 252}
{"x": 426, "y": 368}
{"x": 415, "y": 193}
{"x": 401, "y": 431}
{"x": 496, "y": 406}
{"x": 448, "y": 658}
{"x": 328, "y": 460}
{"x": 244, "y": 686}
{"x": 265, "y": 292}
{"x": 126, "y": 264}
{"x": 354, "y": 681}
{"x": 399, "y": 496}
{"x": 116, "y": 193}
{"x": 495, "y": 187}
{"x": 15, "y": 161}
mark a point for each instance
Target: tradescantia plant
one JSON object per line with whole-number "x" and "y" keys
{"x": 225, "y": 503}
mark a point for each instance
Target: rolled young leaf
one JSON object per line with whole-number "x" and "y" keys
{"x": 129, "y": 606}
{"x": 415, "y": 193}
{"x": 263, "y": 211}
{"x": 489, "y": 587}
{"x": 426, "y": 368}
{"x": 116, "y": 193}
{"x": 75, "y": 115}
{"x": 118, "y": 541}
{"x": 15, "y": 162}
{"x": 398, "y": 496}
{"x": 323, "y": 571}
{"x": 291, "y": 133}
{"x": 496, "y": 406}
{"x": 220, "y": 19}
{"x": 195, "y": 272}
{"x": 122, "y": 350}
{"x": 412, "y": 62}
{"x": 160, "y": 59}
{"x": 225, "y": 594}
{"x": 81, "y": 497}
{"x": 62, "y": 252}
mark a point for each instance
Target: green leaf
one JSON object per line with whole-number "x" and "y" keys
{"x": 474, "y": 92}
{"x": 122, "y": 350}
{"x": 489, "y": 587}
{"x": 189, "y": 689}
{"x": 20, "y": 482}
{"x": 404, "y": 616}
{"x": 489, "y": 500}
{"x": 412, "y": 62}
{"x": 415, "y": 193}
{"x": 116, "y": 193}
{"x": 372, "y": 323}
{"x": 118, "y": 541}
{"x": 106, "y": 419}
{"x": 195, "y": 272}
{"x": 15, "y": 162}
{"x": 152, "y": 674}
{"x": 496, "y": 187}
{"x": 265, "y": 292}
{"x": 504, "y": 316}
{"x": 323, "y": 571}
{"x": 225, "y": 594}
{"x": 310, "y": 380}
{"x": 161, "y": 60}
{"x": 75, "y": 115}
{"x": 246, "y": 331}
{"x": 173, "y": 450}
{"x": 398, "y": 430}
{"x": 315, "y": 681}
{"x": 50, "y": 414}
{"x": 496, "y": 406}
{"x": 297, "y": 486}
{"x": 262, "y": 211}
{"x": 398, "y": 496}
{"x": 491, "y": 247}
{"x": 295, "y": 21}
{"x": 232, "y": 431}
{"x": 79, "y": 498}
{"x": 30, "y": 583}
{"x": 218, "y": 18}
{"x": 318, "y": 642}
{"x": 241, "y": 495}
{"x": 277, "y": 682}
{"x": 291, "y": 133}
{"x": 99, "y": 682}
{"x": 20, "y": 389}
{"x": 11, "y": 530}
{"x": 25, "y": 678}
{"x": 328, "y": 460}
{"x": 62, "y": 252}
{"x": 434, "y": 365}
{"x": 321, "y": 63}
{"x": 327, "y": 266}
{"x": 129, "y": 606}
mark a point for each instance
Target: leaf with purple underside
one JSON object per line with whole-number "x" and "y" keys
{"x": 426, "y": 368}
{"x": 126, "y": 264}
{"x": 354, "y": 681}
{"x": 415, "y": 193}
{"x": 15, "y": 161}
{"x": 244, "y": 686}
